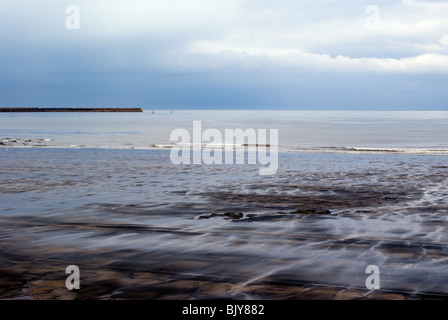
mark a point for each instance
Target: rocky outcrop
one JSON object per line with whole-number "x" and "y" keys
{"x": 18, "y": 142}
{"x": 227, "y": 215}
{"x": 311, "y": 211}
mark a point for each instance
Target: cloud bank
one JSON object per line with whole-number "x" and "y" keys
{"x": 159, "y": 43}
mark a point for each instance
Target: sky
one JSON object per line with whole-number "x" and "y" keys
{"x": 219, "y": 54}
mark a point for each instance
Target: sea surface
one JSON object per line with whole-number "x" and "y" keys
{"x": 353, "y": 189}
{"x": 410, "y": 132}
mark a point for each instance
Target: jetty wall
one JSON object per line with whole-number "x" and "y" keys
{"x": 20, "y": 109}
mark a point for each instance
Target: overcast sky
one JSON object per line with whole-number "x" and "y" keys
{"x": 199, "y": 54}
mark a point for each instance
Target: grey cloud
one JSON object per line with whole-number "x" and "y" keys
{"x": 223, "y": 53}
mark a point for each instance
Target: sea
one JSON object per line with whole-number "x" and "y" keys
{"x": 354, "y": 191}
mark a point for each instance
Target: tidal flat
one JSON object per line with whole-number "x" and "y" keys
{"x": 139, "y": 227}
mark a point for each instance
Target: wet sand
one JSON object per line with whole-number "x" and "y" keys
{"x": 139, "y": 228}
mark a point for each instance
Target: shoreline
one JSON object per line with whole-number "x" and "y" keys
{"x": 24, "y": 145}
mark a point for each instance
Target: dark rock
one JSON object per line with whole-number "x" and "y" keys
{"x": 207, "y": 216}
{"x": 228, "y": 215}
{"x": 234, "y": 215}
{"x": 311, "y": 211}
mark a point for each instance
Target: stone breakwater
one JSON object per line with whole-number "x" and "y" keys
{"x": 71, "y": 110}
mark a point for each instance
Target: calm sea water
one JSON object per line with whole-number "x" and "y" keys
{"x": 93, "y": 201}
{"x": 316, "y": 131}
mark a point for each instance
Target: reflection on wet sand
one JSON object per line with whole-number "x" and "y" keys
{"x": 140, "y": 228}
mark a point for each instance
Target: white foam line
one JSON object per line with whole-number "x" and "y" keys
{"x": 282, "y": 149}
